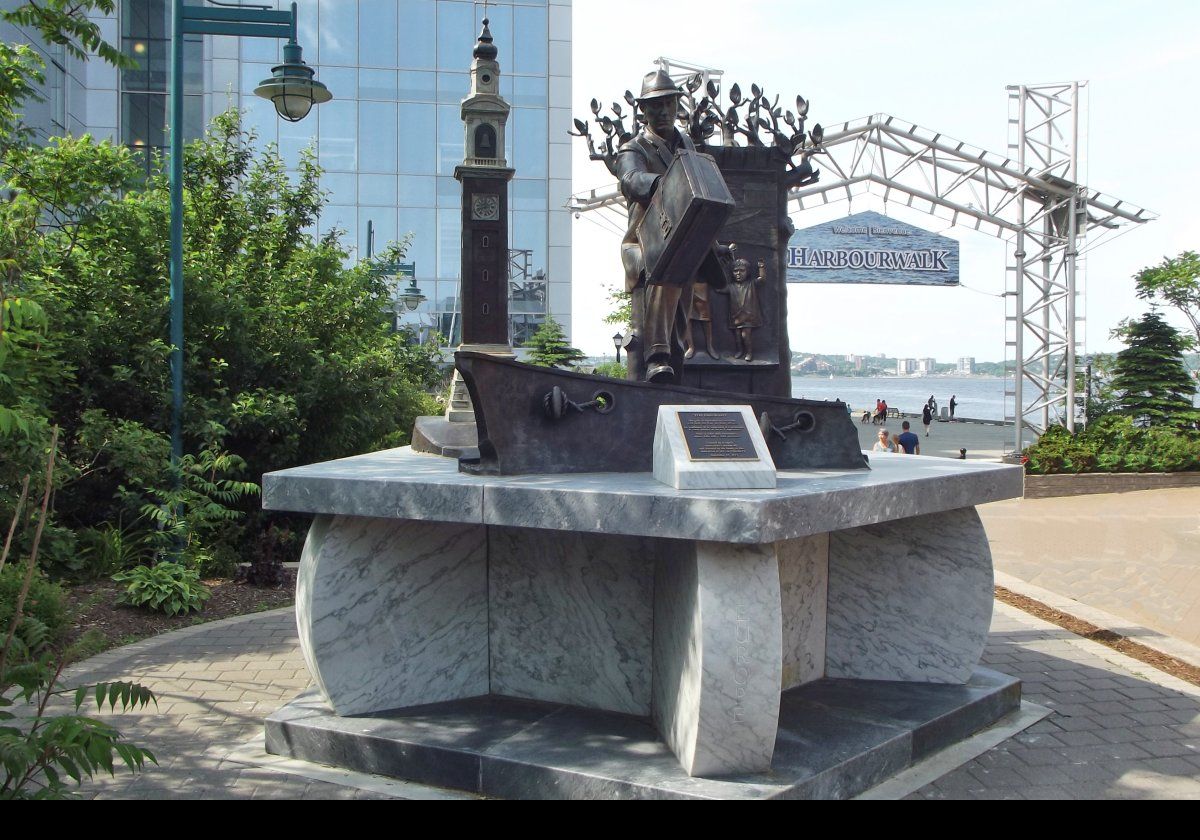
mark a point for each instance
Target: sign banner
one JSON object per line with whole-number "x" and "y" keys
{"x": 871, "y": 248}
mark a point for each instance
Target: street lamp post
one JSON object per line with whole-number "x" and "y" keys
{"x": 293, "y": 91}
{"x": 618, "y": 340}
{"x": 411, "y": 297}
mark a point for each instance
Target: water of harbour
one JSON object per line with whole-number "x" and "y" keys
{"x": 979, "y": 398}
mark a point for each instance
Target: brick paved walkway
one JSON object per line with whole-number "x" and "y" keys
{"x": 1132, "y": 554}
{"x": 1120, "y": 729}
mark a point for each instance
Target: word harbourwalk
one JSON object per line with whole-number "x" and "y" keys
{"x": 924, "y": 260}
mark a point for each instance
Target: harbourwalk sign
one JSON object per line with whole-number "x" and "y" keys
{"x": 871, "y": 248}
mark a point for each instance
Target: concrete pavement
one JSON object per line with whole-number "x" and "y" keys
{"x": 983, "y": 441}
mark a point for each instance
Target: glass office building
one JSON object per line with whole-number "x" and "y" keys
{"x": 391, "y": 137}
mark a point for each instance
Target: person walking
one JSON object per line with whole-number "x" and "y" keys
{"x": 927, "y": 418}
{"x": 953, "y": 404}
{"x": 885, "y": 442}
{"x": 907, "y": 441}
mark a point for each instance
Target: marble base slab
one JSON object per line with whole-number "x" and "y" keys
{"x": 836, "y": 739}
{"x": 803, "y": 596}
{"x": 691, "y": 608}
{"x": 674, "y": 467}
{"x": 717, "y": 656}
{"x": 400, "y": 483}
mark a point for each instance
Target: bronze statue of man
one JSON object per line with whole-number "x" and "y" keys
{"x": 659, "y": 312}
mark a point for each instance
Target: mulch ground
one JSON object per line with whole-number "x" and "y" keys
{"x": 1123, "y": 644}
{"x": 94, "y": 607}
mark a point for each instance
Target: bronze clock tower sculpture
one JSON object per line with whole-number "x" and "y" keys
{"x": 484, "y": 175}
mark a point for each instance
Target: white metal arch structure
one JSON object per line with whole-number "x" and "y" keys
{"x": 1030, "y": 199}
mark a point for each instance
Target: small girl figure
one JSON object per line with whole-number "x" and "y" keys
{"x": 745, "y": 313}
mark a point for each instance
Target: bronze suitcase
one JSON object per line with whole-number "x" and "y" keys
{"x": 684, "y": 216}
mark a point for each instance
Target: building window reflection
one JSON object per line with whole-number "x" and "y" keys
{"x": 145, "y": 36}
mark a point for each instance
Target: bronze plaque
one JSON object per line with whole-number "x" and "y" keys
{"x": 717, "y": 436}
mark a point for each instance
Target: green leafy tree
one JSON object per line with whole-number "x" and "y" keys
{"x": 289, "y": 355}
{"x": 1150, "y": 381}
{"x": 548, "y": 346}
{"x": 1176, "y": 282}
{"x": 622, "y": 303}
{"x": 41, "y": 748}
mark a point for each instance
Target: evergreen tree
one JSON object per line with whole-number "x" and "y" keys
{"x": 1151, "y": 383}
{"x": 548, "y": 346}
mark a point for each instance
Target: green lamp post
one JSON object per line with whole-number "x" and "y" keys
{"x": 291, "y": 88}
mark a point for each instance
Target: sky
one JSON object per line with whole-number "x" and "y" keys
{"x": 943, "y": 66}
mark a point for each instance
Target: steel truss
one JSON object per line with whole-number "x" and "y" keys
{"x": 1032, "y": 200}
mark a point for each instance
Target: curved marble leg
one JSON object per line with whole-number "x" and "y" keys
{"x": 393, "y": 613}
{"x": 718, "y": 656}
{"x": 909, "y": 600}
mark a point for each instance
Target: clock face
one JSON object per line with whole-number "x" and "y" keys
{"x": 485, "y": 208}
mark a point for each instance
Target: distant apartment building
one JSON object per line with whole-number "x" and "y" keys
{"x": 966, "y": 365}
{"x": 926, "y": 366}
{"x": 904, "y": 367}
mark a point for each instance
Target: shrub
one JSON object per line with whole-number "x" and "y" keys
{"x": 166, "y": 587}
{"x": 111, "y": 548}
{"x": 1115, "y": 444}
{"x": 39, "y": 747}
{"x": 1172, "y": 451}
{"x": 290, "y": 355}
{"x": 615, "y": 370}
{"x": 45, "y": 603}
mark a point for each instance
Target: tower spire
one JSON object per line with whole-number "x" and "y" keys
{"x": 484, "y": 47}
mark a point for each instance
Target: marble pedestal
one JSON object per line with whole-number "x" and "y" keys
{"x": 694, "y": 611}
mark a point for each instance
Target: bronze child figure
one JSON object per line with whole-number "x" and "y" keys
{"x": 745, "y": 311}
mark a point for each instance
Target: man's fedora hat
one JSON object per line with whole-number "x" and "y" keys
{"x": 657, "y": 85}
